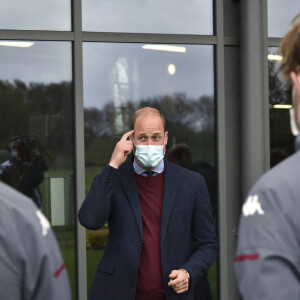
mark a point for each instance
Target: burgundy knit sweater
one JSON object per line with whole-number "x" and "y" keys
{"x": 150, "y": 281}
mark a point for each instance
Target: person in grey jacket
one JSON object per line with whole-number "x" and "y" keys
{"x": 267, "y": 262}
{"x": 31, "y": 265}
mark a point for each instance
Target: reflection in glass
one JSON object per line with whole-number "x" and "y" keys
{"x": 280, "y": 16}
{"x": 36, "y": 15}
{"x": 121, "y": 78}
{"x": 281, "y": 138}
{"x": 36, "y": 134}
{"x": 168, "y": 16}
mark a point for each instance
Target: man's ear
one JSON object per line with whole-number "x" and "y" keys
{"x": 296, "y": 82}
{"x": 166, "y": 137}
{"x": 296, "y": 97}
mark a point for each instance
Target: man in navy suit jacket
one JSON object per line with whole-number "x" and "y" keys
{"x": 161, "y": 231}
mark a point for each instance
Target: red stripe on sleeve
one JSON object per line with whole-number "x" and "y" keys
{"x": 246, "y": 257}
{"x": 61, "y": 268}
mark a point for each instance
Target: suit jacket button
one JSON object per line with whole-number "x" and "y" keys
{"x": 134, "y": 272}
{"x": 137, "y": 247}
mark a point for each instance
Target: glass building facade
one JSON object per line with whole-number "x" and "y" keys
{"x": 73, "y": 72}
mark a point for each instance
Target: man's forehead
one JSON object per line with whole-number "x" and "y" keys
{"x": 146, "y": 119}
{"x": 149, "y": 133}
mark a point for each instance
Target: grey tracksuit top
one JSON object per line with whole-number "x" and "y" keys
{"x": 31, "y": 265}
{"x": 267, "y": 262}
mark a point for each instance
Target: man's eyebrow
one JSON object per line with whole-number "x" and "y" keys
{"x": 151, "y": 134}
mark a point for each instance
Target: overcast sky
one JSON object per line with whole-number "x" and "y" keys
{"x": 35, "y": 14}
{"x": 148, "y": 16}
{"x": 280, "y": 15}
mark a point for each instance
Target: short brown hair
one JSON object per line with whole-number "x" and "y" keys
{"x": 147, "y": 111}
{"x": 290, "y": 51}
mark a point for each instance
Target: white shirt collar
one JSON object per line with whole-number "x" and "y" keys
{"x": 158, "y": 169}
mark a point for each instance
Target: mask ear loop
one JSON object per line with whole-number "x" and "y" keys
{"x": 165, "y": 146}
{"x": 132, "y": 139}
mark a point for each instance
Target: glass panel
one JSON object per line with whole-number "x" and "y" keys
{"x": 35, "y": 15}
{"x": 155, "y": 16}
{"x": 280, "y": 16}
{"x": 281, "y": 138}
{"x": 121, "y": 78}
{"x": 36, "y": 112}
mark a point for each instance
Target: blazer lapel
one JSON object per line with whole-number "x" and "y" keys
{"x": 127, "y": 177}
{"x": 170, "y": 187}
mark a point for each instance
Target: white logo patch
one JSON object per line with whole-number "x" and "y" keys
{"x": 252, "y": 206}
{"x": 44, "y": 222}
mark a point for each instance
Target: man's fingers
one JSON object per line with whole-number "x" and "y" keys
{"x": 174, "y": 282}
{"x": 174, "y": 279}
{"x": 173, "y": 274}
{"x": 124, "y": 146}
{"x": 178, "y": 282}
{"x": 126, "y": 135}
{"x": 182, "y": 290}
{"x": 122, "y": 150}
{"x": 127, "y": 149}
{"x": 180, "y": 287}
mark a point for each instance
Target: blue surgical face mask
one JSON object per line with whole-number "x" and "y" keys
{"x": 149, "y": 156}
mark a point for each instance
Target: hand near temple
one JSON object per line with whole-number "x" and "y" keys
{"x": 121, "y": 151}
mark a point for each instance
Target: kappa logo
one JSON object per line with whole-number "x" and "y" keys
{"x": 252, "y": 206}
{"x": 44, "y": 222}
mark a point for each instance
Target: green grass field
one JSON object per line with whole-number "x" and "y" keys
{"x": 92, "y": 259}
{"x": 70, "y": 263}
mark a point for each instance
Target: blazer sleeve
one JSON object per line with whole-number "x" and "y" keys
{"x": 204, "y": 235}
{"x": 96, "y": 207}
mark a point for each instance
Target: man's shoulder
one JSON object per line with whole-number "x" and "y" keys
{"x": 12, "y": 199}
{"x": 277, "y": 189}
{"x": 282, "y": 175}
{"x": 20, "y": 212}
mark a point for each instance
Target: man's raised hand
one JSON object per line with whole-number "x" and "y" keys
{"x": 121, "y": 151}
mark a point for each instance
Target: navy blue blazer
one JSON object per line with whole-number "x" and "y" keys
{"x": 187, "y": 238}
